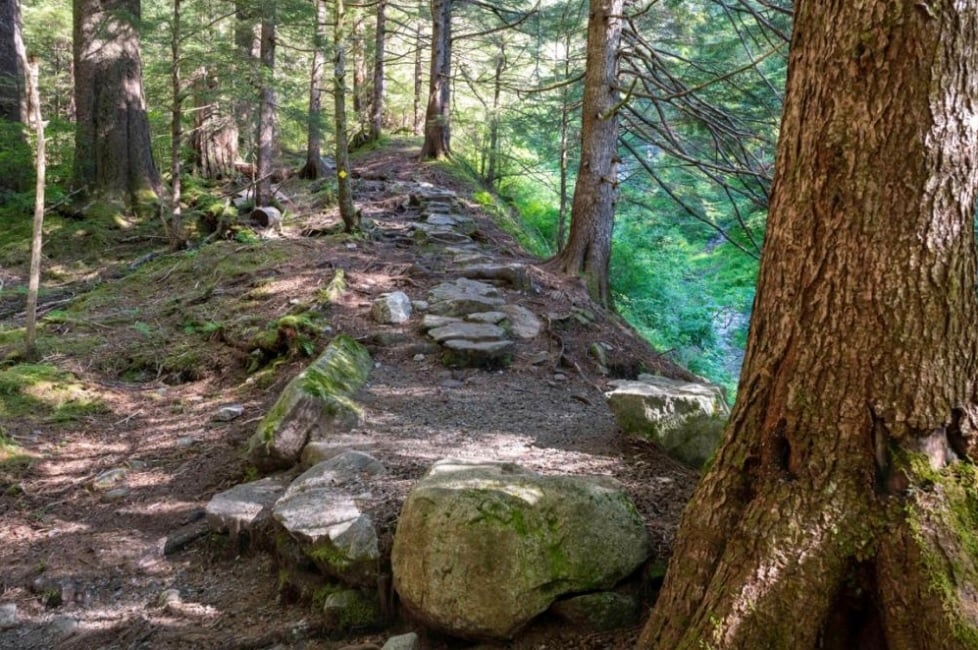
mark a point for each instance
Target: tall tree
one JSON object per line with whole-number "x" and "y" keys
{"x": 437, "y": 131}
{"x": 265, "y": 135}
{"x": 314, "y": 167}
{"x": 344, "y": 191}
{"x": 214, "y": 138}
{"x": 840, "y": 510}
{"x": 115, "y": 158}
{"x": 588, "y": 249}
{"x": 377, "y": 92}
{"x": 14, "y": 154}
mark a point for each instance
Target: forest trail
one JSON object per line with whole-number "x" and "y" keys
{"x": 104, "y": 521}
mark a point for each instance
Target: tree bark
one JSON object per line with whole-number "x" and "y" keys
{"x": 176, "y": 131}
{"x": 266, "y": 108}
{"x": 115, "y": 156}
{"x": 497, "y": 87}
{"x": 247, "y": 43}
{"x": 314, "y": 167}
{"x": 437, "y": 131}
{"x": 380, "y": 46}
{"x": 15, "y": 155}
{"x": 418, "y": 70}
{"x": 37, "y": 236}
{"x": 588, "y": 249}
{"x": 838, "y": 512}
{"x": 215, "y": 136}
{"x": 344, "y": 192}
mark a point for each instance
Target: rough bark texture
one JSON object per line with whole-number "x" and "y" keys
{"x": 588, "y": 249}
{"x": 344, "y": 193}
{"x": 418, "y": 69}
{"x": 836, "y": 514}
{"x": 15, "y": 155}
{"x": 115, "y": 158}
{"x": 437, "y": 134}
{"x": 266, "y": 109}
{"x": 215, "y": 136}
{"x": 378, "y": 90}
{"x": 247, "y": 44}
{"x": 314, "y": 167}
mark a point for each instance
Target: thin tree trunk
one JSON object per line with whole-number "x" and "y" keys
{"x": 176, "y": 132}
{"x": 266, "y": 109}
{"x": 359, "y": 72}
{"x": 37, "y": 238}
{"x": 314, "y": 167}
{"x": 564, "y": 146}
{"x": 839, "y": 513}
{"x": 344, "y": 192}
{"x": 380, "y": 45}
{"x": 588, "y": 249}
{"x": 112, "y": 128}
{"x": 437, "y": 131}
{"x": 247, "y": 41}
{"x": 418, "y": 71}
{"x": 497, "y": 86}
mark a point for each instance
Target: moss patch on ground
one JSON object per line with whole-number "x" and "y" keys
{"x": 44, "y": 392}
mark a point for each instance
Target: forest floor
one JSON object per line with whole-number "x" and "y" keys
{"x": 110, "y": 448}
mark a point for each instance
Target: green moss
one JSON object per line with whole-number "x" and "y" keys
{"x": 328, "y": 556}
{"x": 44, "y": 391}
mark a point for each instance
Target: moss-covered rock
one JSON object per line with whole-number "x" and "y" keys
{"x": 317, "y": 402}
{"x": 352, "y": 609}
{"x": 483, "y": 548}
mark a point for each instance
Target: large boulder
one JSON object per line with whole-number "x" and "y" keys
{"x": 481, "y": 548}
{"x": 316, "y": 403}
{"x": 685, "y": 418}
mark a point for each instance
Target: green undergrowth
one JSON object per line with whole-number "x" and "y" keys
{"x": 45, "y": 392}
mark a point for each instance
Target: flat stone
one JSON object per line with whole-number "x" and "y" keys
{"x": 409, "y": 641}
{"x": 461, "y": 353}
{"x": 442, "y": 220}
{"x": 467, "y": 331}
{"x": 431, "y": 321}
{"x": 245, "y": 507}
{"x": 514, "y": 275}
{"x": 491, "y": 317}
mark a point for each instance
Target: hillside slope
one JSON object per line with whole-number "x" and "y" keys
{"x": 113, "y": 443}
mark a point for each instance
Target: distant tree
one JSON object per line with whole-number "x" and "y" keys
{"x": 266, "y": 144}
{"x": 14, "y": 155}
{"x": 214, "y": 138}
{"x": 588, "y": 249}
{"x": 314, "y": 167}
{"x": 344, "y": 191}
{"x": 114, "y": 157}
{"x": 840, "y": 510}
{"x": 379, "y": 82}
{"x": 437, "y": 128}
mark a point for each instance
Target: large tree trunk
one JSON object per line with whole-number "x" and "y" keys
{"x": 377, "y": 100}
{"x": 266, "y": 109}
{"x": 837, "y": 513}
{"x": 15, "y": 155}
{"x": 114, "y": 157}
{"x": 247, "y": 45}
{"x": 314, "y": 167}
{"x": 437, "y": 134}
{"x": 344, "y": 191}
{"x": 215, "y": 136}
{"x": 588, "y": 249}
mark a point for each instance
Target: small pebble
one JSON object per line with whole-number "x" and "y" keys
{"x": 229, "y": 412}
{"x": 109, "y": 477}
{"x": 559, "y": 376}
{"x": 116, "y": 494}
{"x": 418, "y": 357}
{"x": 187, "y": 441}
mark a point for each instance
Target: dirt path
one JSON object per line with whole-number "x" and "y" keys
{"x": 89, "y": 568}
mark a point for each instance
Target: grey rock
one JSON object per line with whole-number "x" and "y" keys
{"x": 8, "y": 616}
{"x": 342, "y": 468}
{"x": 409, "y": 641}
{"x": 229, "y": 412}
{"x": 430, "y": 321}
{"x": 394, "y": 308}
{"x": 316, "y": 403}
{"x": 62, "y": 627}
{"x": 685, "y": 418}
{"x": 462, "y": 353}
{"x": 491, "y": 317}
{"x": 483, "y": 548}
{"x": 420, "y": 305}
{"x": 116, "y": 494}
{"x": 245, "y": 508}
{"x": 437, "y": 219}
{"x": 468, "y": 331}
{"x": 523, "y": 323}
{"x": 326, "y": 522}
{"x": 319, "y": 450}
{"x": 601, "y": 611}
{"x": 515, "y": 275}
